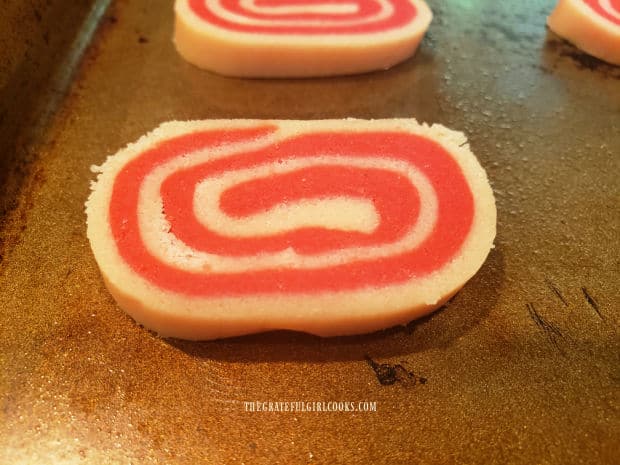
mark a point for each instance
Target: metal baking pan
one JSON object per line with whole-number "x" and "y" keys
{"x": 521, "y": 367}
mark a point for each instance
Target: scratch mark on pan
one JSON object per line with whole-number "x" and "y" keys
{"x": 390, "y": 374}
{"x": 556, "y": 291}
{"x": 551, "y": 331}
{"x": 592, "y": 302}
{"x": 221, "y": 391}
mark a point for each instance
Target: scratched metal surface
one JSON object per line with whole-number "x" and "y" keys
{"x": 521, "y": 367}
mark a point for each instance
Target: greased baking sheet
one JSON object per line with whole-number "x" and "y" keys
{"x": 521, "y": 367}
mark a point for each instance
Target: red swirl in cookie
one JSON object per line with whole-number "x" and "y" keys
{"x": 306, "y": 17}
{"x": 608, "y": 9}
{"x": 312, "y": 169}
{"x": 285, "y": 213}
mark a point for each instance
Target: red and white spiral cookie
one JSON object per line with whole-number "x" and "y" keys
{"x": 218, "y": 228}
{"x": 298, "y": 38}
{"x": 592, "y": 25}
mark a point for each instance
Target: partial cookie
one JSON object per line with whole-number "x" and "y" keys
{"x": 267, "y": 38}
{"x": 592, "y": 25}
{"x": 210, "y": 229}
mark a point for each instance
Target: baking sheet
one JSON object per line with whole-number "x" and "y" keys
{"x": 522, "y": 366}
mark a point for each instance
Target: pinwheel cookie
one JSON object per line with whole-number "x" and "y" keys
{"x": 292, "y": 38}
{"x": 592, "y": 25}
{"x": 210, "y": 229}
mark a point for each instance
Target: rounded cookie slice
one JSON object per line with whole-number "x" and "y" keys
{"x": 209, "y": 229}
{"x": 268, "y": 38}
{"x": 592, "y": 25}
